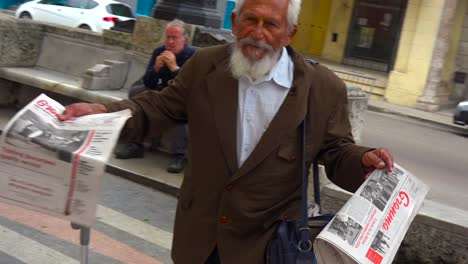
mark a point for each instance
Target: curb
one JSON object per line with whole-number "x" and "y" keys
{"x": 456, "y": 128}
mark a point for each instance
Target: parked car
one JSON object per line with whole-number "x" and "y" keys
{"x": 460, "y": 117}
{"x": 95, "y": 15}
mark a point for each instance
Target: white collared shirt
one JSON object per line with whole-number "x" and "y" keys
{"x": 259, "y": 102}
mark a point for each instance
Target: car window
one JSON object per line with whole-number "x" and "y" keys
{"x": 119, "y": 10}
{"x": 77, "y": 3}
{"x": 57, "y": 2}
{"x": 91, "y": 4}
{"x": 53, "y": 2}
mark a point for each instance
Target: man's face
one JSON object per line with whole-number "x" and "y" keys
{"x": 175, "y": 39}
{"x": 264, "y": 22}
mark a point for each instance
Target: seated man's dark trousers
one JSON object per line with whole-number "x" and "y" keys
{"x": 172, "y": 141}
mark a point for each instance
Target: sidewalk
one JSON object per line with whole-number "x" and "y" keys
{"x": 443, "y": 118}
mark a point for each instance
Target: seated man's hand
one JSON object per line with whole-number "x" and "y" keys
{"x": 159, "y": 63}
{"x": 170, "y": 60}
{"x": 377, "y": 159}
{"x": 81, "y": 109}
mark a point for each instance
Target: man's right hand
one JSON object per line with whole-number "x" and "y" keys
{"x": 159, "y": 63}
{"x": 81, "y": 109}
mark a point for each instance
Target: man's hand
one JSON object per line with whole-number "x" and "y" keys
{"x": 81, "y": 109}
{"x": 170, "y": 60}
{"x": 159, "y": 63}
{"x": 377, "y": 159}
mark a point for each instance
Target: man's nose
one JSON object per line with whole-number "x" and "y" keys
{"x": 258, "y": 33}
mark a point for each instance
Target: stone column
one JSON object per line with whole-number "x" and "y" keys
{"x": 208, "y": 13}
{"x": 436, "y": 94}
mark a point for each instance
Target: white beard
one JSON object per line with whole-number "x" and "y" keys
{"x": 242, "y": 66}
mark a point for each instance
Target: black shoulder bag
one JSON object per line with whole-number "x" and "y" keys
{"x": 292, "y": 243}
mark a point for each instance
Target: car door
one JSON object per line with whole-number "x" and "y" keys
{"x": 47, "y": 11}
{"x": 74, "y": 12}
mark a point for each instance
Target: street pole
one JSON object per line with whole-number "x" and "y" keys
{"x": 84, "y": 241}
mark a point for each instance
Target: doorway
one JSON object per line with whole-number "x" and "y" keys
{"x": 374, "y": 34}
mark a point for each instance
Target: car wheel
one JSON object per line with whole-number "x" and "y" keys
{"x": 85, "y": 27}
{"x": 25, "y": 15}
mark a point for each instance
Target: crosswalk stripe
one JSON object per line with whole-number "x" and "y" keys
{"x": 99, "y": 242}
{"x": 30, "y": 251}
{"x": 135, "y": 227}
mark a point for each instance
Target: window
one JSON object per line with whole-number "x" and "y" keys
{"x": 119, "y": 10}
{"x": 91, "y": 4}
{"x": 77, "y": 3}
{"x": 53, "y": 2}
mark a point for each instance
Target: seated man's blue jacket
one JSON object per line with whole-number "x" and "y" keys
{"x": 157, "y": 81}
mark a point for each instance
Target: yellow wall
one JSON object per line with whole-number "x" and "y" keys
{"x": 449, "y": 66}
{"x": 313, "y": 23}
{"x": 408, "y": 79}
{"x": 340, "y": 19}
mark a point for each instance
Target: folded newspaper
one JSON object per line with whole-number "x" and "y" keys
{"x": 369, "y": 228}
{"x": 56, "y": 167}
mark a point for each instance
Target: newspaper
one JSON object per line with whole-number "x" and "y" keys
{"x": 371, "y": 225}
{"x": 56, "y": 167}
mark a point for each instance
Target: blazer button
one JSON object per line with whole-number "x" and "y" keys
{"x": 293, "y": 157}
{"x": 224, "y": 219}
{"x": 229, "y": 187}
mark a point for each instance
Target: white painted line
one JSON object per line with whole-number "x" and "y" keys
{"x": 135, "y": 227}
{"x": 30, "y": 251}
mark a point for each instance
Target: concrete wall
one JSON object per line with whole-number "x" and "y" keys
{"x": 408, "y": 78}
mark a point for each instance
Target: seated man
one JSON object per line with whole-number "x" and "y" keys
{"x": 164, "y": 66}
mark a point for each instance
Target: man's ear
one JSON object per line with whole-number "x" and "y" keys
{"x": 290, "y": 36}
{"x": 233, "y": 22}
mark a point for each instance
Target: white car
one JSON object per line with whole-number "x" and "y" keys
{"x": 95, "y": 15}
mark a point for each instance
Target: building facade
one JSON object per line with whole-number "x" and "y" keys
{"x": 420, "y": 45}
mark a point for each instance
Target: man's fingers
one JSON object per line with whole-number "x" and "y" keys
{"x": 81, "y": 109}
{"x": 370, "y": 159}
{"x": 378, "y": 158}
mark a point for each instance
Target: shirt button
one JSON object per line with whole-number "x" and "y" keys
{"x": 224, "y": 219}
{"x": 229, "y": 187}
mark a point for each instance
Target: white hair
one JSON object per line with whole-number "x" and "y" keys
{"x": 178, "y": 23}
{"x": 294, "y": 8}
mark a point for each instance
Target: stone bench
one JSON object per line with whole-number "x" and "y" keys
{"x": 66, "y": 61}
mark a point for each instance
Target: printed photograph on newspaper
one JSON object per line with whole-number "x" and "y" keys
{"x": 369, "y": 228}
{"x": 56, "y": 167}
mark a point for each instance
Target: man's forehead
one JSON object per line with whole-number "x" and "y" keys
{"x": 276, "y": 5}
{"x": 174, "y": 29}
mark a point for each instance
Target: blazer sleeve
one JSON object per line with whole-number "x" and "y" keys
{"x": 155, "y": 111}
{"x": 342, "y": 157}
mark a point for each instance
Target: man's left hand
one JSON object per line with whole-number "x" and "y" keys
{"x": 377, "y": 159}
{"x": 170, "y": 60}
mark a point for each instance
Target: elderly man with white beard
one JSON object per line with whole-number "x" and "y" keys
{"x": 244, "y": 103}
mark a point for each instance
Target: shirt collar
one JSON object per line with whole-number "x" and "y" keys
{"x": 282, "y": 72}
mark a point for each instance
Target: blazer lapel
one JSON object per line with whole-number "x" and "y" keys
{"x": 223, "y": 89}
{"x": 291, "y": 113}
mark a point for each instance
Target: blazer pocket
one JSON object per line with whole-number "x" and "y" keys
{"x": 288, "y": 153}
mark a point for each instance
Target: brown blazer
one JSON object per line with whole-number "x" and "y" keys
{"x": 237, "y": 209}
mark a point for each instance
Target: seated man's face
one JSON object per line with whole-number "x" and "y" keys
{"x": 175, "y": 40}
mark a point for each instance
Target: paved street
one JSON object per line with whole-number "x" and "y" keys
{"x": 436, "y": 155}
{"x": 134, "y": 226}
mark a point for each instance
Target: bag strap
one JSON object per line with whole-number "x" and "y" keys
{"x": 304, "y": 243}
